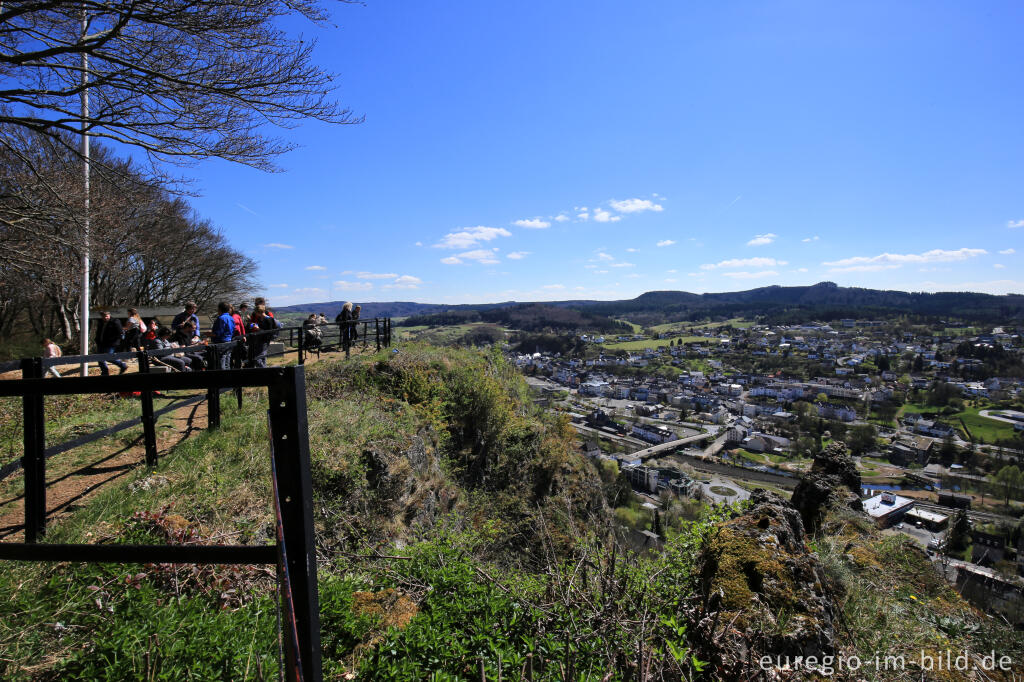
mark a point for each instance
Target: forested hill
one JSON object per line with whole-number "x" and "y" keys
{"x": 824, "y": 300}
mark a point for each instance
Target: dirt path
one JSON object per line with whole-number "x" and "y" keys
{"x": 67, "y": 493}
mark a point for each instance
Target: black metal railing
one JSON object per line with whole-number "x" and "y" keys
{"x": 294, "y": 552}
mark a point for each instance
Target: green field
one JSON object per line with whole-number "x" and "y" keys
{"x": 982, "y": 428}
{"x": 652, "y": 343}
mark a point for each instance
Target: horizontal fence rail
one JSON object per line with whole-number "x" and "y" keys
{"x": 294, "y": 552}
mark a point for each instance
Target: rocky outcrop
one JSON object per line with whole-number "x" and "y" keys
{"x": 832, "y": 482}
{"x": 763, "y": 591}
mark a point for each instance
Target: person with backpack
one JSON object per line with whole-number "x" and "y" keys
{"x": 223, "y": 332}
{"x": 109, "y": 335}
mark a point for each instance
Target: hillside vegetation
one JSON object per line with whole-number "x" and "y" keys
{"x": 456, "y": 527}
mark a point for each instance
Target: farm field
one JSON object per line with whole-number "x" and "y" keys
{"x": 652, "y": 343}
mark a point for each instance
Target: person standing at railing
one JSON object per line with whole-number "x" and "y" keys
{"x": 344, "y": 320}
{"x": 187, "y": 315}
{"x": 355, "y": 322}
{"x": 134, "y": 328}
{"x": 239, "y": 350}
{"x": 223, "y": 332}
{"x": 261, "y": 332}
{"x": 52, "y": 350}
{"x": 109, "y": 335}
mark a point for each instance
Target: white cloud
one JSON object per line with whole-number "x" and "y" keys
{"x": 1012, "y": 224}
{"x": 801, "y": 269}
{"x": 583, "y": 215}
{"x": 517, "y": 255}
{"x": 745, "y": 263}
{"x": 623, "y": 265}
{"x": 671, "y": 280}
{"x": 353, "y": 286}
{"x": 471, "y": 236}
{"x": 604, "y": 256}
{"x": 418, "y": 244}
{"x": 482, "y": 256}
{"x": 600, "y": 272}
{"x": 532, "y": 223}
{"x": 632, "y": 250}
{"x": 999, "y": 266}
{"x": 404, "y": 282}
{"x": 278, "y": 286}
{"x": 867, "y": 268}
{"x": 315, "y": 267}
{"x": 632, "y": 275}
{"x": 309, "y": 291}
{"x": 751, "y": 275}
{"x": 672, "y": 271}
{"x": 275, "y": 245}
{"x": 634, "y": 205}
{"x": 553, "y": 286}
{"x": 1008, "y": 252}
{"x": 889, "y": 261}
{"x": 666, "y": 242}
{"x": 811, "y": 239}
{"x": 603, "y": 216}
{"x": 376, "y": 275}
{"x": 561, "y": 218}
{"x": 762, "y": 239}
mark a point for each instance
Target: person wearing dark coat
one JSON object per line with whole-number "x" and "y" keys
{"x": 261, "y": 333}
{"x": 108, "y": 337}
{"x": 345, "y": 324}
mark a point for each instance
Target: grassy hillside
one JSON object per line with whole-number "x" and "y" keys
{"x": 455, "y": 525}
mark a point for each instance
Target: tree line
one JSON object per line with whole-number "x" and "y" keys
{"x": 147, "y": 246}
{"x": 171, "y": 82}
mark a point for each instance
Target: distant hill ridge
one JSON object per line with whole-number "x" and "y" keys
{"x": 824, "y": 300}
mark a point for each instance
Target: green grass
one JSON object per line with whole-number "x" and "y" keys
{"x": 983, "y": 428}
{"x": 652, "y": 343}
{"x": 113, "y": 622}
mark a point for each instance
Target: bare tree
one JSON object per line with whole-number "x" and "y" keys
{"x": 179, "y": 79}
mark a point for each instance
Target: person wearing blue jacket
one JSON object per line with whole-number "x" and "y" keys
{"x": 223, "y": 330}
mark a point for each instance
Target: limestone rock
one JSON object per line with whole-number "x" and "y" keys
{"x": 832, "y": 482}
{"x": 764, "y": 592}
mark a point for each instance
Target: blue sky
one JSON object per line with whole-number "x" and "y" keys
{"x": 543, "y": 151}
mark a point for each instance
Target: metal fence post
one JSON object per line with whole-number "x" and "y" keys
{"x": 376, "y": 324}
{"x": 213, "y": 393}
{"x": 34, "y": 459}
{"x": 302, "y": 339}
{"x": 294, "y": 487}
{"x": 148, "y": 418}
